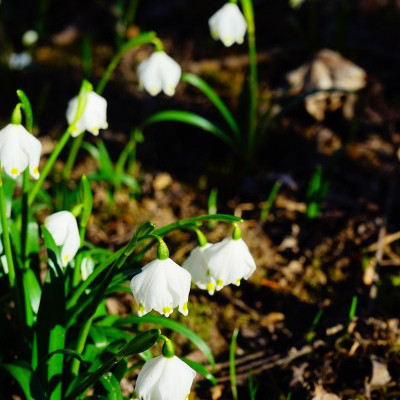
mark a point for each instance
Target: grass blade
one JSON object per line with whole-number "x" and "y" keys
{"x": 189, "y": 118}
{"x": 201, "y": 369}
{"x": 232, "y": 365}
{"x": 204, "y": 87}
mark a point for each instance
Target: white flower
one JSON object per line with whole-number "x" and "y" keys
{"x": 64, "y": 229}
{"x": 229, "y": 261}
{"x": 163, "y": 378}
{"x": 162, "y": 285}
{"x": 30, "y": 37}
{"x": 228, "y": 24}
{"x": 197, "y": 265}
{"x": 159, "y": 72}
{"x": 94, "y": 116}
{"x": 18, "y": 150}
{"x": 19, "y": 61}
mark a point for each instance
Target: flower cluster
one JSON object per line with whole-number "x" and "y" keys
{"x": 163, "y": 285}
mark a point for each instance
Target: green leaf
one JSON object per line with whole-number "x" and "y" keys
{"x": 140, "y": 343}
{"x": 50, "y": 327}
{"x": 111, "y": 385}
{"x": 212, "y": 95}
{"x": 190, "y": 119}
{"x": 33, "y": 288}
{"x": 87, "y": 201}
{"x": 201, "y": 369}
{"x": 137, "y": 345}
{"x": 232, "y": 364}
{"x": 27, "y": 380}
{"x": 173, "y": 325}
{"x": 66, "y": 352}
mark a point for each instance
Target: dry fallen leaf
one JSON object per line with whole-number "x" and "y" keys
{"x": 380, "y": 374}
{"x": 333, "y": 76}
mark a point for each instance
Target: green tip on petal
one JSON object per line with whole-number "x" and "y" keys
{"x": 237, "y": 233}
{"x": 162, "y": 251}
{"x": 168, "y": 349}
{"x": 16, "y": 116}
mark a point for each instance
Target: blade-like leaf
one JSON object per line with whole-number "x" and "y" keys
{"x": 27, "y": 380}
{"x": 66, "y": 352}
{"x": 201, "y": 369}
{"x": 190, "y": 119}
{"x": 212, "y": 95}
{"x": 137, "y": 345}
{"x": 111, "y": 385}
{"x": 173, "y": 325}
{"x": 140, "y": 343}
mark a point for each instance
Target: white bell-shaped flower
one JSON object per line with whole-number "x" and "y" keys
{"x": 93, "y": 118}
{"x": 63, "y": 228}
{"x": 228, "y": 24}
{"x": 197, "y": 265}
{"x": 159, "y": 73}
{"x": 229, "y": 261}
{"x": 162, "y": 285}
{"x": 163, "y": 378}
{"x": 18, "y": 150}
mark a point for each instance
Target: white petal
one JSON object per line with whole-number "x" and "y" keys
{"x": 33, "y": 149}
{"x": 161, "y": 286}
{"x": 93, "y": 118}
{"x": 64, "y": 230}
{"x": 72, "y": 242}
{"x": 13, "y": 158}
{"x": 197, "y": 265}
{"x": 170, "y": 72}
{"x": 164, "y": 378}
{"x": 228, "y": 24}
{"x": 229, "y": 261}
{"x": 159, "y": 72}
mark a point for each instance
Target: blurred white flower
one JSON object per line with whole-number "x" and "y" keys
{"x": 163, "y": 378}
{"x": 19, "y": 61}
{"x": 159, "y": 73}
{"x": 18, "y": 150}
{"x": 30, "y": 37}
{"x": 94, "y": 116}
{"x": 63, "y": 228}
{"x": 162, "y": 285}
{"x": 228, "y": 24}
{"x": 197, "y": 265}
{"x": 229, "y": 261}
{"x": 296, "y": 3}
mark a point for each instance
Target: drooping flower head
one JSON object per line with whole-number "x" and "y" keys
{"x": 162, "y": 285}
{"x": 94, "y": 115}
{"x": 230, "y": 260}
{"x": 228, "y": 24}
{"x": 159, "y": 73}
{"x": 18, "y": 150}
{"x": 163, "y": 378}
{"x": 63, "y": 228}
{"x": 197, "y": 265}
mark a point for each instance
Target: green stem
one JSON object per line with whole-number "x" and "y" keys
{"x": 49, "y": 165}
{"x": 140, "y": 40}
{"x": 253, "y": 83}
{"x": 149, "y": 37}
{"x": 6, "y": 235}
{"x": 25, "y": 217}
{"x": 86, "y": 87}
{"x": 73, "y": 153}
